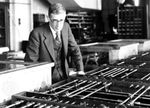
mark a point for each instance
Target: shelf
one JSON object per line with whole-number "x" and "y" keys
{"x": 80, "y": 18}
{"x": 132, "y": 22}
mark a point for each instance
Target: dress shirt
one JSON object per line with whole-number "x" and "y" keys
{"x": 54, "y": 33}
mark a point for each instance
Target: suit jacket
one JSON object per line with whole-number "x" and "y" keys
{"x": 40, "y": 47}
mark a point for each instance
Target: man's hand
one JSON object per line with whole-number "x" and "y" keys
{"x": 74, "y": 73}
{"x": 80, "y": 73}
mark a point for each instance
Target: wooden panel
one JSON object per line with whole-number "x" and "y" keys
{"x": 116, "y": 50}
{"x": 143, "y": 43}
{"x": 24, "y": 78}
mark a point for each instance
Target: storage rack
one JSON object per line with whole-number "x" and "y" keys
{"x": 82, "y": 25}
{"x": 132, "y": 22}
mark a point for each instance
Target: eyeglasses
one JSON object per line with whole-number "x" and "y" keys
{"x": 57, "y": 21}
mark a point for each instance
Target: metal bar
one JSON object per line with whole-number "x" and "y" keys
{"x": 133, "y": 58}
{"x": 85, "y": 89}
{"x": 65, "y": 84}
{"x": 118, "y": 70}
{"x": 145, "y": 53}
{"x": 100, "y": 71}
{"x": 81, "y": 88}
{"x": 16, "y": 103}
{"x": 29, "y": 104}
{"x": 132, "y": 102}
{"x": 96, "y": 91}
{"x": 120, "y": 73}
{"x": 36, "y": 105}
{"x": 42, "y": 106}
{"x": 121, "y": 63}
{"x": 145, "y": 76}
{"x": 142, "y": 104}
{"x": 131, "y": 96}
{"x": 53, "y": 89}
{"x": 129, "y": 73}
{"x": 148, "y": 78}
{"x": 110, "y": 71}
{"x": 142, "y": 64}
{"x": 70, "y": 87}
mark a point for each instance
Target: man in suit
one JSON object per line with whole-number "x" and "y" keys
{"x": 53, "y": 42}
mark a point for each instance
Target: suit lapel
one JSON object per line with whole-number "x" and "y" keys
{"x": 49, "y": 41}
{"x": 64, "y": 40}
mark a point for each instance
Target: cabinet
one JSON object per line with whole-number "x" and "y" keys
{"x": 3, "y": 28}
{"x": 132, "y": 22}
{"x": 39, "y": 19}
{"x": 82, "y": 25}
{"x": 18, "y": 76}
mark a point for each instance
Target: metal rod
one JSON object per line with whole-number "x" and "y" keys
{"x": 142, "y": 104}
{"x": 131, "y": 96}
{"x": 132, "y": 102}
{"x": 36, "y": 105}
{"x": 142, "y": 64}
{"x": 145, "y": 53}
{"x": 53, "y": 89}
{"x": 129, "y": 73}
{"x": 118, "y": 70}
{"x": 96, "y": 91}
{"x": 65, "y": 84}
{"x": 85, "y": 89}
{"x": 100, "y": 71}
{"x": 120, "y": 63}
{"x": 131, "y": 85}
{"x": 70, "y": 87}
{"x": 29, "y": 104}
{"x": 133, "y": 58}
{"x": 148, "y": 78}
{"x": 81, "y": 88}
{"x": 16, "y": 103}
{"x": 110, "y": 71}
{"x": 42, "y": 106}
{"x": 50, "y": 106}
{"x": 120, "y": 73}
{"x": 145, "y": 76}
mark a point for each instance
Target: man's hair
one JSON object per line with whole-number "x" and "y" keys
{"x": 56, "y": 9}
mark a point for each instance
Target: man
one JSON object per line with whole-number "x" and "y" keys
{"x": 53, "y": 42}
{"x": 109, "y": 11}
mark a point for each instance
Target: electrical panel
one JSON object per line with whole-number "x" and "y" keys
{"x": 132, "y": 22}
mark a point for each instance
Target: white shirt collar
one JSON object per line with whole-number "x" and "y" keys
{"x": 53, "y": 32}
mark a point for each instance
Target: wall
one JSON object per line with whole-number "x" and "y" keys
{"x": 20, "y": 22}
{"x": 91, "y": 4}
{"x": 79, "y": 4}
{"x": 41, "y": 7}
{"x": 3, "y": 0}
{"x": 148, "y": 3}
{"x": 20, "y": 18}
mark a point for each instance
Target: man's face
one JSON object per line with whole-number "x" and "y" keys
{"x": 57, "y": 21}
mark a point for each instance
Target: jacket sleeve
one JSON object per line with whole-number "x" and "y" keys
{"x": 74, "y": 51}
{"x": 32, "y": 50}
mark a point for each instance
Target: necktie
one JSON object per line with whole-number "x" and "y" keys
{"x": 57, "y": 38}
